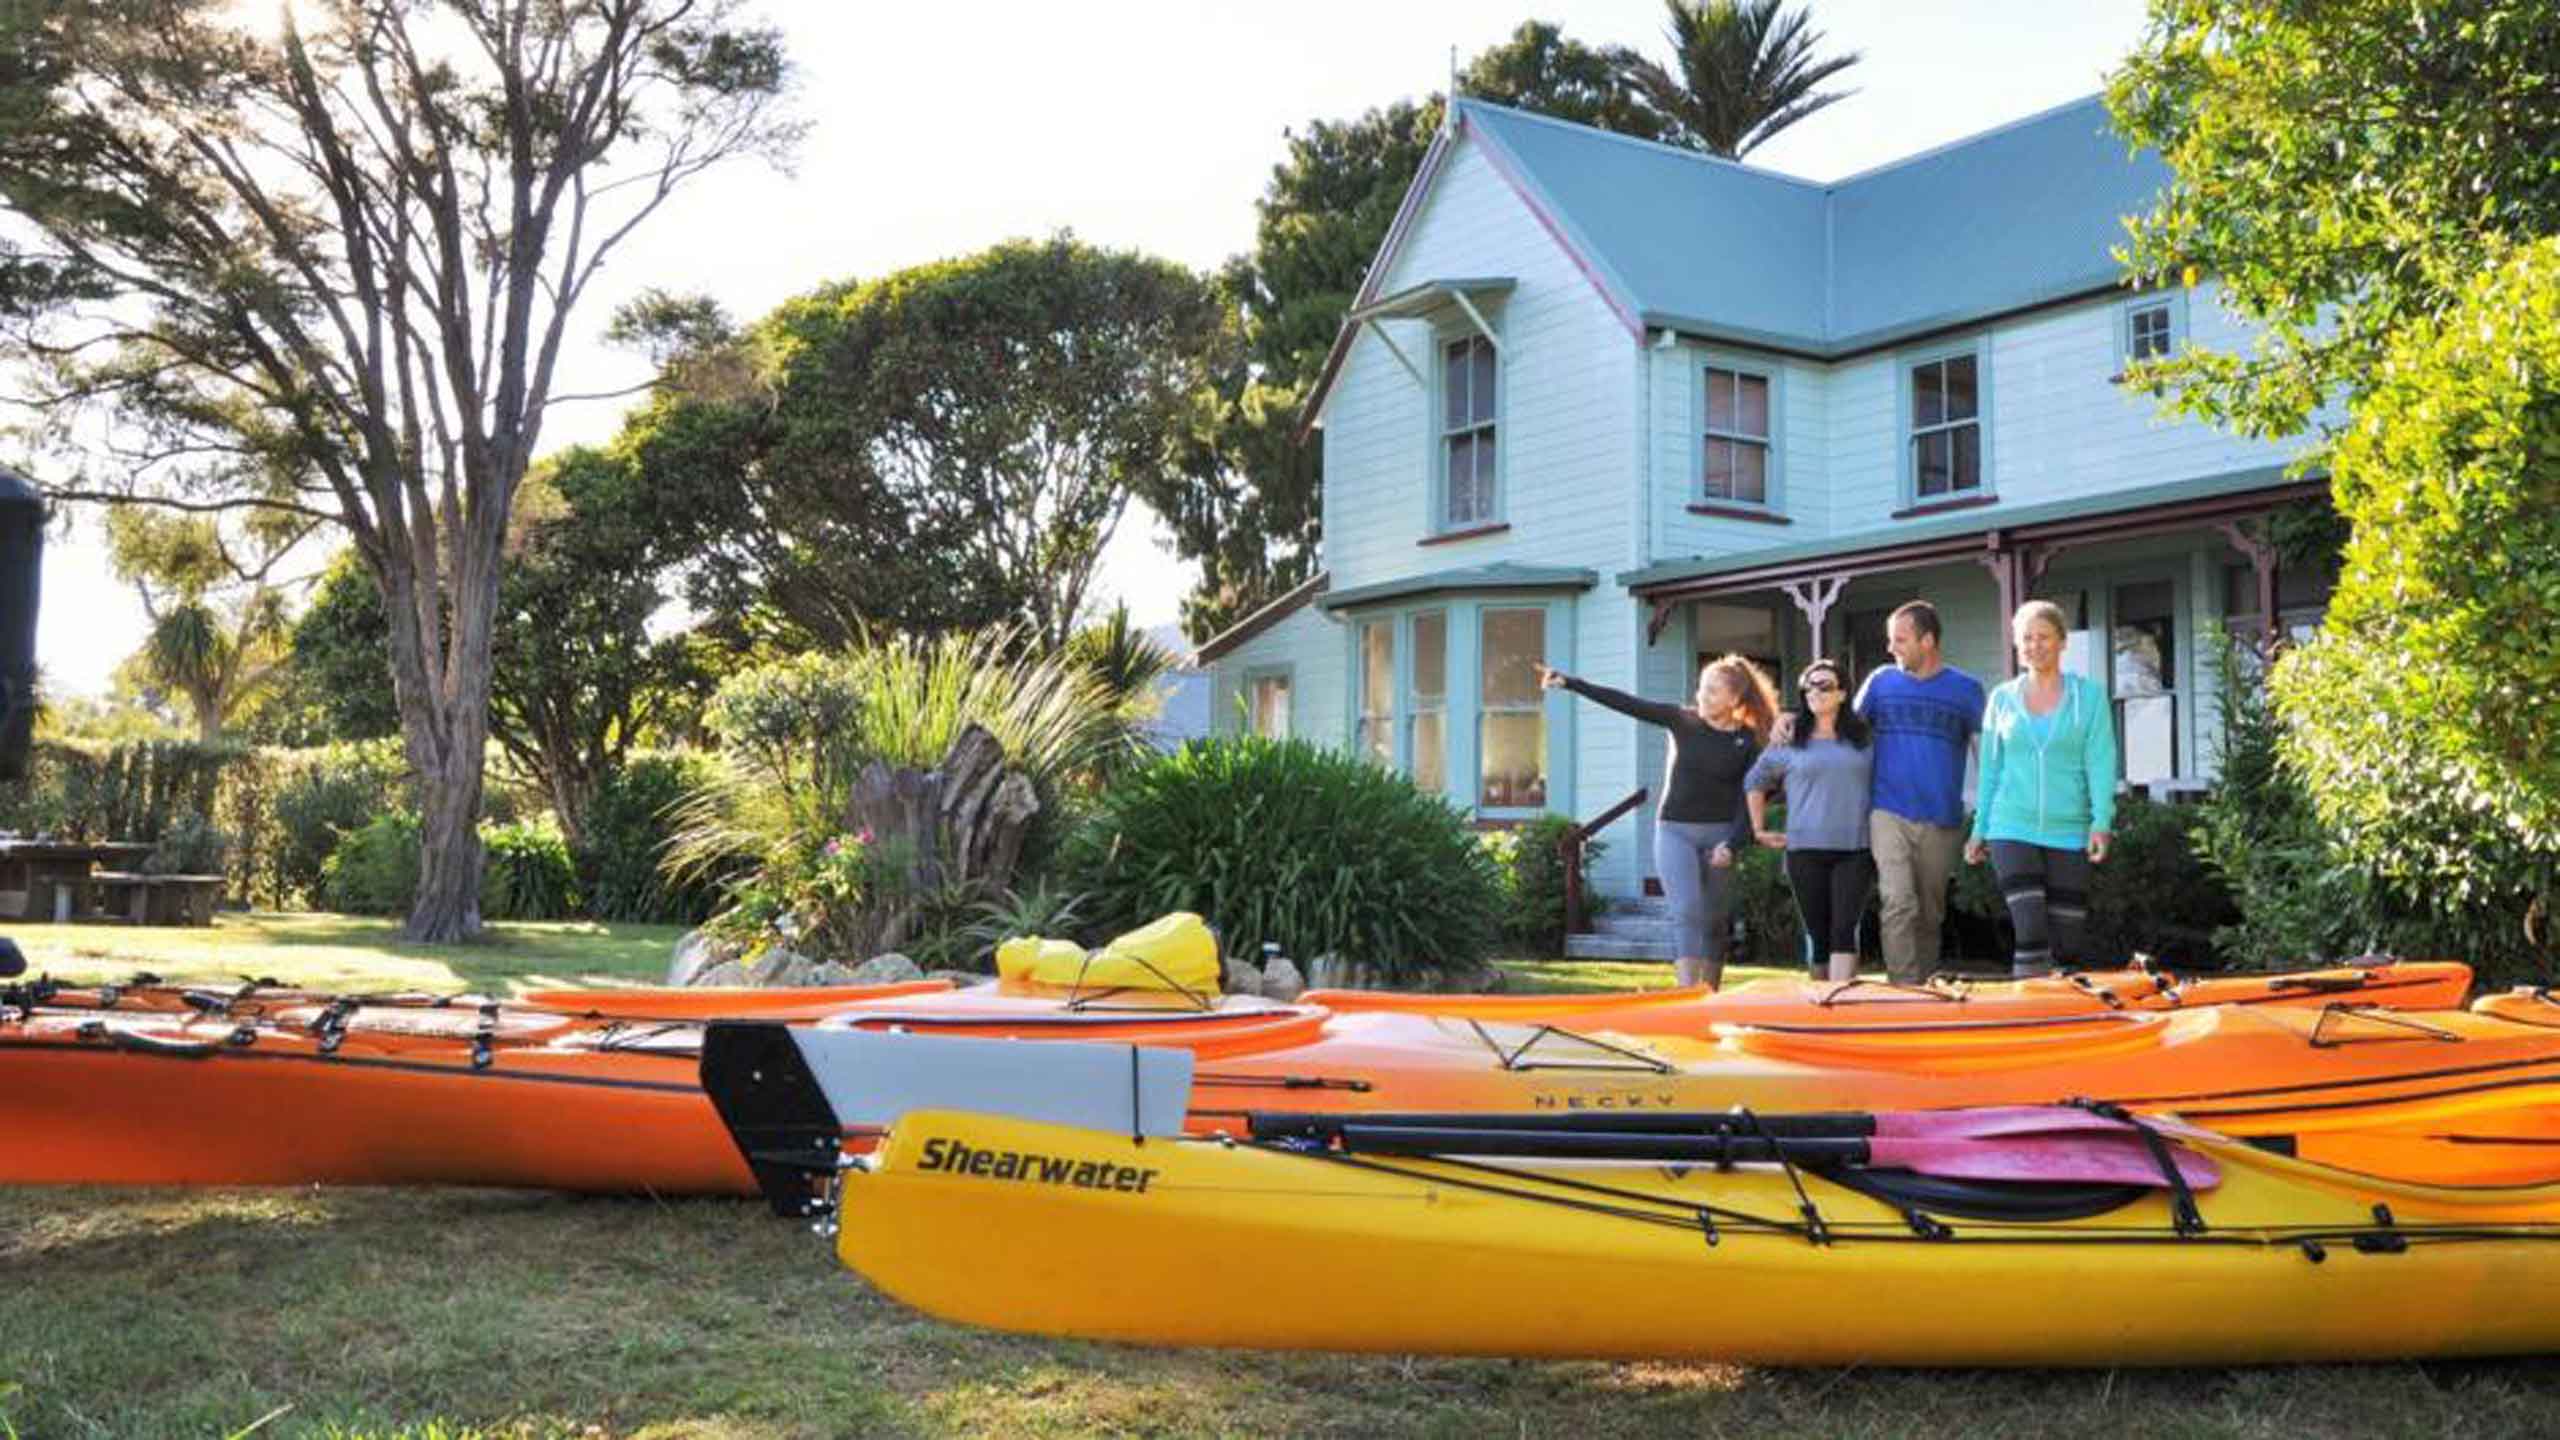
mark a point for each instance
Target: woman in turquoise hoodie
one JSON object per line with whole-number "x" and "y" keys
{"x": 2047, "y": 797}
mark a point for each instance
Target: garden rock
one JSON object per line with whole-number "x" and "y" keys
{"x": 781, "y": 968}
{"x": 727, "y": 972}
{"x": 1281, "y": 980}
{"x": 828, "y": 972}
{"x": 1242, "y": 978}
{"x": 698, "y": 951}
{"x": 957, "y": 979}
{"x": 887, "y": 969}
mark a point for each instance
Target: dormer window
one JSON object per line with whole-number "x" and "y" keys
{"x": 1468, "y": 406}
{"x": 1737, "y": 437}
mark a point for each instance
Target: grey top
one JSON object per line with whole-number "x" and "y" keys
{"x": 1826, "y": 785}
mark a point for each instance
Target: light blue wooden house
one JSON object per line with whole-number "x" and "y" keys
{"x": 1620, "y": 408}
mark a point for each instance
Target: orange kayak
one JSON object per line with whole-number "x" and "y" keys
{"x": 2400, "y": 984}
{"x": 269, "y": 1088}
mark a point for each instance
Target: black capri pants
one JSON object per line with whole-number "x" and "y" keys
{"x": 1831, "y": 893}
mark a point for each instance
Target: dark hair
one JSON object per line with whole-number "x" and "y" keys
{"x": 1850, "y": 725}
{"x": 1922, "y": 615}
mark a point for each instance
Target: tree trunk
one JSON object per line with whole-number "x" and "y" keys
{"x": 441, "y": 672}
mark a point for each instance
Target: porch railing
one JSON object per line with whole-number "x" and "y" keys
{"x": 1575, "y": 841}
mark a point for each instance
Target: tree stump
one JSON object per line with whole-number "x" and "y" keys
{"x": 958, "y": 826}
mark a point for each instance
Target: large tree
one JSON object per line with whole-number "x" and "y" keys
{"x": 1741, "y": 71}
{"x": 580, "y": 677}
{"x": 2372, "y": 187}
{"x": 944, "y": 448}
{"x": 327, "y": 269}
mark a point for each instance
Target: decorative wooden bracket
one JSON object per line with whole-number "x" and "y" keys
{"x": 1660, "y": 618}
{"x": 2251, "y": 539}
{"x": 1814, "y": 599}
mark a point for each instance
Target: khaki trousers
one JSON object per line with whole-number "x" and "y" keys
{"x": 1913, "y": 863}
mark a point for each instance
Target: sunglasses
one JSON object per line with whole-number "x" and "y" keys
{"x": 1819, "y": 684}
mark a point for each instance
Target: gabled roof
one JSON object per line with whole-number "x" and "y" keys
{"x": 1674, "y": 239}
{"x": 2011, "y": 217}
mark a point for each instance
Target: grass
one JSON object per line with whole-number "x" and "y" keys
{"x": 484, "y": 1315}
{"x": 349, "y": 952}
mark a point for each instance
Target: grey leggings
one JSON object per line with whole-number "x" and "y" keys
{"x": 2048, "y": 895}
{"x": 1701, "y": 895}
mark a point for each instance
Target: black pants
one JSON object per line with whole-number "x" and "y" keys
{"x": 2048, "y": 895}
{"x": 1831, "y": 893}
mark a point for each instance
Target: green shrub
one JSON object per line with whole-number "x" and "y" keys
{"x": 374, "y": 868}
{"x": 527, "y": 874}
{"x": 1772, "y": 926}
{"x": 190, "y": 846}
{"x": 2156, "y": 895}
{"x": 323, "y": 794}
{"x": 630, "y": 824}
{"x": 1285, "y": 842}
{"x": 1531, "y": 858}
{"x": 128, "y": 791}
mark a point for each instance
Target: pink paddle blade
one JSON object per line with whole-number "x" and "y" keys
{"x": 2086, "y": 1159}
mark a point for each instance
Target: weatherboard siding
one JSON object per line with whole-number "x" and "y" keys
{"x": 1311, "y": 648}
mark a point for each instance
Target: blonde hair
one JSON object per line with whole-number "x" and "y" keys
{"x": 1754, "y": 696}
{"x": 2044, "y": 610}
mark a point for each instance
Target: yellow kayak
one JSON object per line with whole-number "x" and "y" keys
{"x": 1051, "y": 1229}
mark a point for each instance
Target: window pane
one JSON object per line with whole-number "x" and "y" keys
{"x": 1968, "y": 457}
{"x": 1430, "y": 658}
{"x": 1929, "y": 463}
{"x": 1752, "y": 416}
{"x": 1514, "y": 768}
{"x": 1719, "y": 469}
{"x": 1453, "y": 387}
{"x": 1430, "y": 751}
{"x": 1515, "y": 641}
{"x": 2150, "y": 332}
{"x": 1720, "y": 399}
{"x": 1928, "y": 394}
{"x": 2150, "y": 729}
{"x": 1751, "y": 473}
{"x": 1271, "y": 706}
{"x": 1484, "y": 475}
{"x": 1482, "y": 388}
{"x": 1378, "y": 741}
{"x": 1459, "y": 485}
{"x": 1960, "y": 389}
{"x": 1377, "y": 669}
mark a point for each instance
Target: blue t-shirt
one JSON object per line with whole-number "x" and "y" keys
{"x": 1922, "y": 729}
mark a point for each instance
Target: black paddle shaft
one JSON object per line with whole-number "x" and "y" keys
{"x": 1813, "y": 1152}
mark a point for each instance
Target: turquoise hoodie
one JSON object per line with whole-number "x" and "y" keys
{"x": 2047, "y": 780}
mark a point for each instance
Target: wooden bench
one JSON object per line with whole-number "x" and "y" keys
{"x": 138, "y": 899}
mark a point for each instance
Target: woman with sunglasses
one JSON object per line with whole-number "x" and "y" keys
{"x": 1697, "y": 831}
{"x": 1826, "y": 770}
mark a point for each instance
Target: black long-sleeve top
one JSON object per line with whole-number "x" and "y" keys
{"x": 1703, "y": 781}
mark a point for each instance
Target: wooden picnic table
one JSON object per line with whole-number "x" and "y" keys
{"x": 51, "y": 877}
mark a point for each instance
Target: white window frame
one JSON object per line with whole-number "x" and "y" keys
{"x": 1773, "y": 468}
{"x": 2171, "y": 302}
{"x": 1361, "y": 714}
{"x": 1287, "y": 676}
{"x": 1443, "y": 341}
{"x": 1409, "y": 723}
{"x": 1485, "y": 710}
{"x": 1905, "y": 387}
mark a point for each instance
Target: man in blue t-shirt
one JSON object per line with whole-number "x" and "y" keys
{"x": 1925, "y": 714}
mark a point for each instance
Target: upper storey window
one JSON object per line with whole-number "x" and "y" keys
{"x": 1468, "y": 420}
{"x": 1737, "y": 437}
{"x": 1946, "y": 427}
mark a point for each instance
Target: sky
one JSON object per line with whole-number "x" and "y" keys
{"x": 938, "y": 130}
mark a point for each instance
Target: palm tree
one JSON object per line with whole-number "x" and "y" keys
{"x": 1746, "y": 72}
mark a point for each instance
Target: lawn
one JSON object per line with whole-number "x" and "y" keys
{"x": 376, "y": 1313}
